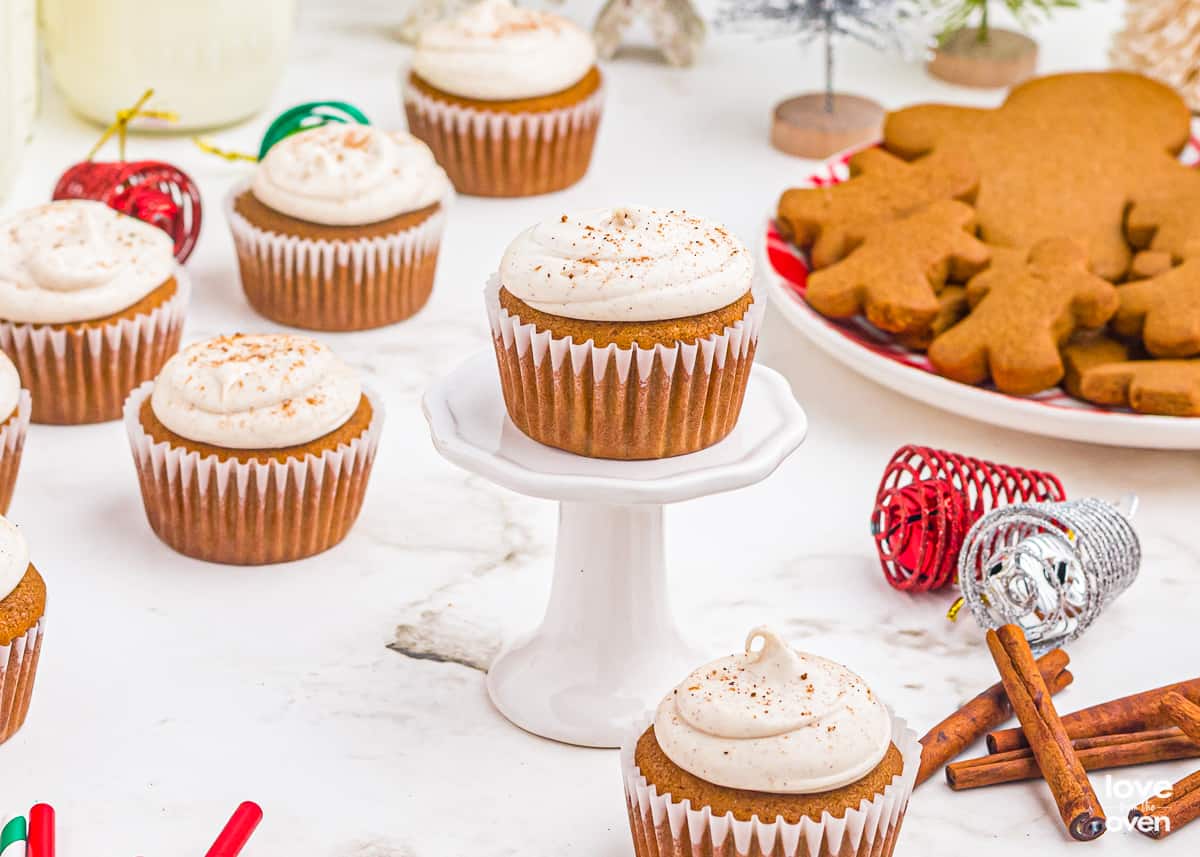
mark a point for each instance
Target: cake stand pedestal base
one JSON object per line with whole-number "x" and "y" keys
{"x": 608, "y": 647}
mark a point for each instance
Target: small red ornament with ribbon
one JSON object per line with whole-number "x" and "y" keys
{"x": 153, "y": 191}
{"x": 928, "y": 500}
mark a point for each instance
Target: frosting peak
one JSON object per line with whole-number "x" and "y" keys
{"x": 265, "y": 391}
{"x": 75, "y": 260}
{"x": 14, "y": 557}
{"x": 774, "y": 720}
{"x": 349, "y": 175}
{"x": 496, "y": 51}
{"x": 627, "y": 264}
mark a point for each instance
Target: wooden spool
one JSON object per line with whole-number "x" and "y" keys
{"x": 803, "y": 127}
{"x": 1004, "y": 59}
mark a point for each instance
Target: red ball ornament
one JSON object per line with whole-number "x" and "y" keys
{"x": 155, "y": 192}
{"x": 928, "y": 500}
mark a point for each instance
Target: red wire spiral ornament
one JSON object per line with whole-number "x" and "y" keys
{"x": 155, "y": 192}
{"x": 928, "y": 500}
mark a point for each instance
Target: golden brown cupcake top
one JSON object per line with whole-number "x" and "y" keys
{"x": 496, "y": 51}
{"x": 22, "y": 592}
{"x": 774, "y": 720}
{"x": 259, "y": 391}
{"x": 628, "y": 264}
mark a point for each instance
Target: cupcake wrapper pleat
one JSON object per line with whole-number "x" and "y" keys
{"x": 12, "y": 444}
{"x": 83, "y": 376}
{"x": 18, "y": 667}
{"x": 623, "y": 403}
{"x": 493, "y": 153}
{"x": 337, "y": 285}
{"x": 663, "y": 827}
{"x": 250, "y": 513}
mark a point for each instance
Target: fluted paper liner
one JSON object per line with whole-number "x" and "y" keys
{"x": 251, "y": 513}
{"x": 83, "y": 375}
{"x": 12, "y": 444}
{"x": 337, "y": 285}
{"x": 664, "y": 827}
{"x": 623, "y": 403}
{"x": 495, "y": 153}
{"x": 18, "y": 667}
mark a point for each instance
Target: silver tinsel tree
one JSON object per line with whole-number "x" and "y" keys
{"x": 874, "y": 22}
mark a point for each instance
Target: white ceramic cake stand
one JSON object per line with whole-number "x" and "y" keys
{"x": 608, "y": 647}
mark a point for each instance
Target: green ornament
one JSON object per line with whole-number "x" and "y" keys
{"x": 313, "y": 114}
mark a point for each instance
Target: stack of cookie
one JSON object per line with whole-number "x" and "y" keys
{"x": 1053, "y": 240}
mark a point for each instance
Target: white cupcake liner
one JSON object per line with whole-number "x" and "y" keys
{"x": 505, "y": 153}
{"x": 18, "y": 668}
{"x": 624, "y": 403}
{"x": 12, "y": 443}
{"x": 83, "y": 375}
{"x": 664, "y": 827}
{"x": 544, "y": 124}
{"x": 251, "y": 513}
{"x": 337, "y": 285}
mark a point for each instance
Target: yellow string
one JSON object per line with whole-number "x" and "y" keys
{"x": 227, "y": 154}
{"x": 124, "y": 117}
{"x": 952, "y": 613}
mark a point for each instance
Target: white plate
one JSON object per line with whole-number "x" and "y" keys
{"x": 1053, "y": 413}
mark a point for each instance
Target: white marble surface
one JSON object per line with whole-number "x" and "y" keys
{"x": 171, "y": 689}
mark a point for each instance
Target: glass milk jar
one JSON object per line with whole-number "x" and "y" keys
{"x": 18, "y": 84}
{"x": 213, "y": 62}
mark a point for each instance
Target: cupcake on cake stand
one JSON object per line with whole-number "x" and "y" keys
{"x": 608, "y": 643}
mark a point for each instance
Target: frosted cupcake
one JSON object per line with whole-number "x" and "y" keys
{"x": 508, "y": 98}
{"x": 22, "y": 614}
{"x": 253, "y": 449}
{"x": 340, "y": 228}
{"x": 14, "y": 402}
{"x": 625, "y": 333}
{"x": 91, "y": 304}
{"x": 776, "y": 747}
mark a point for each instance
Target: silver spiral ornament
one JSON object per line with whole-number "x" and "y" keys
{"x": 1050, "y": 568}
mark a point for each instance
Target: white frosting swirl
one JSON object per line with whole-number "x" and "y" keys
{"x": 76, "y": 260}
{"x": 775, "y": 720}
{"x": 627, "y": 264}
{"x": 349, "y": 175}
{"x": 10, "y": 387}
{"x": 14, "y": 557}
{"x": 263, "y": 391}
{"x": 495, "y": 51}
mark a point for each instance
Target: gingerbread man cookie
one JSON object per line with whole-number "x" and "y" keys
{"x": 1021, "y": 315}
{"x": 1064, "y": 155}
{"x": 1085, "y": 351}
{"x": 831, "y": 219}
{"x": 952, "y": 307}
{"x": 895, "y": 273}
{"x": 1166, "y": 219}
{"x": 1167, "y": 387}
{"x": 1164, "y": 311}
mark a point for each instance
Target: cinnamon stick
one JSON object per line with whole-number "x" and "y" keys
{"x": 1161, "y": 815}
{"x": 1061, "y": 769}
{"x": 1095, "y": 754}
{"x": 1135, "y": 713}
{"x": 1185, "y": 714}
{"x": 989, "y": 709}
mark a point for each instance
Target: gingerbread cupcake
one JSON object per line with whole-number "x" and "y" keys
{"x": 22, "y": 615}
{"x": 340, "y": 228}
{"x": 508, "y": 98}
{"x": 625, "y": 333}
{"x": 91, "y": 304}
{"x": 773, "y": 746}
{"x": 14, "y": 402}
{"x": 253, "y": 449}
